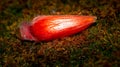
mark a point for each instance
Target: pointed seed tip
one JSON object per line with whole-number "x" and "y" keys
{"x": 94, "y": 19}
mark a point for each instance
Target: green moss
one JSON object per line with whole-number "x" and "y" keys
{"x": 99, "y": 45}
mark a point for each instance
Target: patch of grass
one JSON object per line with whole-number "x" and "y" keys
{"x": 99, "y": 45}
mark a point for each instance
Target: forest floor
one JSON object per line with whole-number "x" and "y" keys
{"x": 97, "y": 46}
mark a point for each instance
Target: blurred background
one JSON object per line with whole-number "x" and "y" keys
{"x": 99, "y": 45}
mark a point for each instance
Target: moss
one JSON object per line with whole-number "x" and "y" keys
{"x": 96, "y": 46}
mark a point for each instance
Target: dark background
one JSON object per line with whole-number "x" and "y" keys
{"x": 97, "y": 46}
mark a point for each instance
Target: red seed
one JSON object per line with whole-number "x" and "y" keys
{"x": 45, "y": 28}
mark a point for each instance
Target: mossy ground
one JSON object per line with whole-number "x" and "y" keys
{"x": 97, "y": 46}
